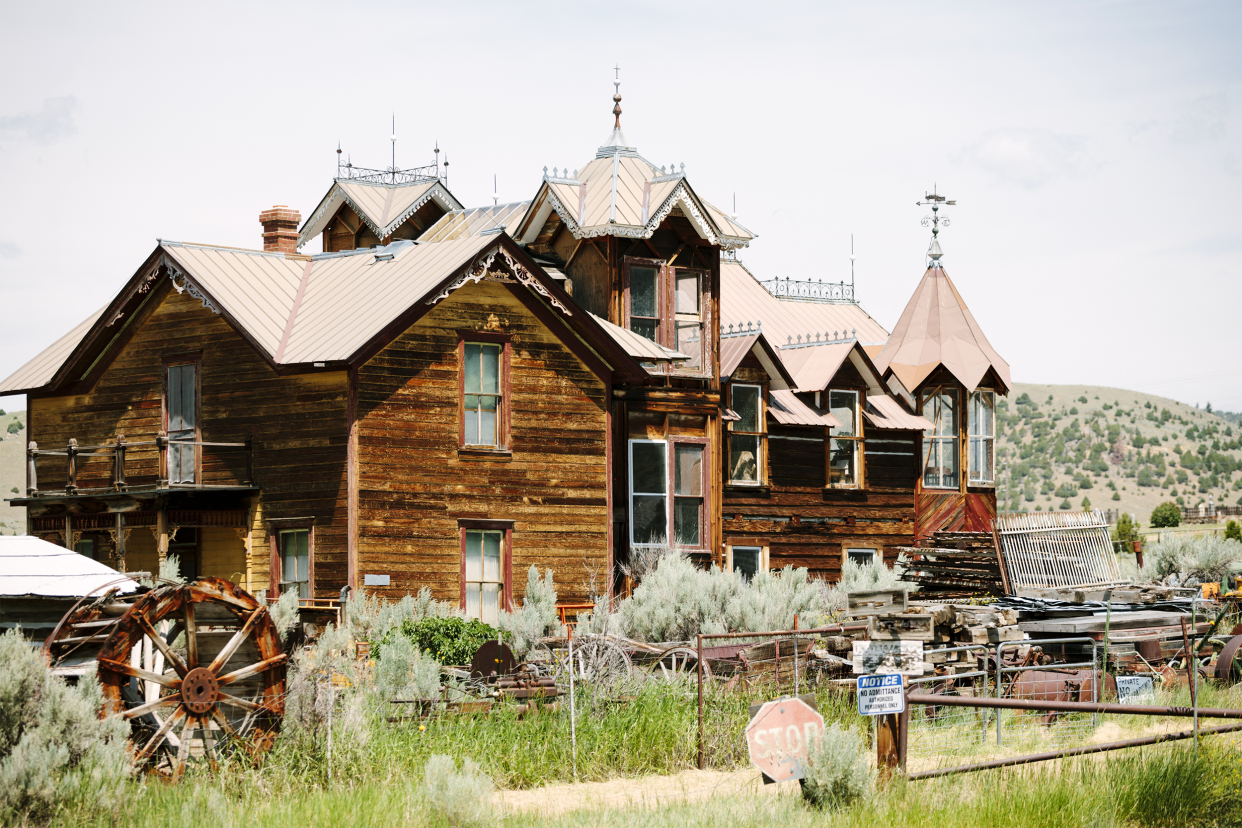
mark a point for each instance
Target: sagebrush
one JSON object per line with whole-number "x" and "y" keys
{"x": 536, "y": 619}
{"x": 461, "y": 797}
{"x": 837, "y": 773}
{"x": 1202, "y": 558}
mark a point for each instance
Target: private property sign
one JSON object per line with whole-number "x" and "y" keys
{"x": 779, "y": 735}
{"x": 878, "y": 695}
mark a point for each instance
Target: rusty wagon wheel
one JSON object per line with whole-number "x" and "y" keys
{"x": 677, "y": 664}
{"x": 199, "y": 671}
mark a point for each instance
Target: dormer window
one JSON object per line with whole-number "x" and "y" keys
{"x": 843, "y": 450}
{"x": 940, "y": 453}
{"x": 668, "y": 305}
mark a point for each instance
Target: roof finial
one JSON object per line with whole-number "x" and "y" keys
{"x": 616, "y": 109}
{"x": 394, "y": 148}
{"x": 935, "y": 220}
{"x": 437, "y": 158}
{"x": 338, "y": 159}
{"x": 495, "y": 191}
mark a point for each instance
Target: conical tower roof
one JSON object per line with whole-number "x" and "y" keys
{"x": 935, "y": 329}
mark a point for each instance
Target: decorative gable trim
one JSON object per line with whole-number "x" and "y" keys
{"x": 480, "y": 270}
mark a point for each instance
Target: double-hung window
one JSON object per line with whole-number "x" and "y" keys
{"x": 982, "y": 435}
{"x": 843, "y": 447}
{"x": 484, "y": 415}
{"x": 295, "y": 562}
{"x": 181, "y": 421}
{"x": 485, "y": 570}
{"x": 746, "y": 435}
{"x": 940, "y": 452}
{"x": 664, "y": 494}
{"x": 669, "y": 305}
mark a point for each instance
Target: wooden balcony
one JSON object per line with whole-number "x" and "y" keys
{"x": 141, "y": 466}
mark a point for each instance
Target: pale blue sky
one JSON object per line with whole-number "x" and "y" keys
{"x": 1095, "y": 149}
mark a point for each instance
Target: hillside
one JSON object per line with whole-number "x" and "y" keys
{"x": 1119, "y": 449}
{"x": 12, "y": 471}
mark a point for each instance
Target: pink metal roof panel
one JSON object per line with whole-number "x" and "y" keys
{"x": 787, "y": 409}
{"x": 44, "y": 365}
{"x": 888, "y": 413}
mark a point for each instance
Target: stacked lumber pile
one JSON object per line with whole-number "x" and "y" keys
{"x": 955, "y": 565}
{"x": 959, "y": 625}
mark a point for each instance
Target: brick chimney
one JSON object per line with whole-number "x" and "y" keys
{"x": 280, "y": 229}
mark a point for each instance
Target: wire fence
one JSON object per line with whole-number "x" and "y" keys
{"x": 1071, "y": 681}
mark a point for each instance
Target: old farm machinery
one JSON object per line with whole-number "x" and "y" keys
{"x": 197, "y": 669}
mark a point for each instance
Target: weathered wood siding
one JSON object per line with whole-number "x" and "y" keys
{"x": 297, "y": 422}
{"x": 414, "y": 484}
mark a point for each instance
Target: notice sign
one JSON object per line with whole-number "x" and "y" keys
{"x": 905, "y": 657}
{"x": 1135, "y": 690}
{"x": 878, "y": 695}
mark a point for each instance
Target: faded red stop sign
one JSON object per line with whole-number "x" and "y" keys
{"x": 779, "y": 736}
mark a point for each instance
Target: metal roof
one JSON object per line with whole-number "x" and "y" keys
{"x": 733, "y": 349}
{"x": 384, "y": 207}
{"x": 888, "y": 413}
{"x": 787, "y": 409}
{"x": 32, "y": 566}
{"x": 40, "y": 370}
{"x": 637, "y": 346}
{"x": 473, "y": 222}
{"x": 935, "y": 329}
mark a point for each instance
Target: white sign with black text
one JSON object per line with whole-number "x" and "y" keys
{"x": 905, "y": 657}
{"x": 878, "y": 695}
{"x": 1135, "y": 690}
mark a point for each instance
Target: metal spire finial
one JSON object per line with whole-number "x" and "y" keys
{"x": 338, "y": 159}
{"x": 438, "y": 158}
{"x": 495, "y": 191}
{"x": 616, "y": 109}
{"x": 936, "y": 201}
{"x": 394, "y": 148}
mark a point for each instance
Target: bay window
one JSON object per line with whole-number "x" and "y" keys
{"x": 666, "y": 494}
{"x": 747, "y": 435}
{"x": 982, "y": 435}
{"x": 844, "y": 443}
{"x": 940, "y": 449}
{"x": 668, "y": 305}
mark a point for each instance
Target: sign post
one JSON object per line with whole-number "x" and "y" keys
{"x": 884, "y": 696}
{"x": 779, "y": 736}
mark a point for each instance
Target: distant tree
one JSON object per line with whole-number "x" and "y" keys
{"x": 15, "y": 427}
{"x": 1083, "y": 399}
{"x": 1066, "y": 505}
{"x": 1165, "y": 515}
{"x": 1073, "y": 410}
{"x": 1086, "y": 504}
{"x": 1116, "y": 495}
{"x": 1125, "y": 529}
{"x": 15, "y": 490}
{"x": 1, "y": 412}
{"x": 1233, "y": 530}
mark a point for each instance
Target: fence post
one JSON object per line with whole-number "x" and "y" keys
{"x": 573, "y": 718}
{"x": 700, "y": 669}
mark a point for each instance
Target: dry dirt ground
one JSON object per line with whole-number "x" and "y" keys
{"x": 647, "y": 791}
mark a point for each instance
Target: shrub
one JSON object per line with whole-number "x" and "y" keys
{"x": 448, "y": 640}
{"x": 1165, "y": 515}
{"x": 54, "y": 747}
{"x": 1086, "y": 504}
{"x": 370, "y": 617}
{"x": 1206, "y": 558}
{"x": 837, "y": 771}
{"x": 1065, "y": 504}
{"x": 461, "y": 797}
{"x": 404, "y": 669}
{"x": 1233, "y": 531}
{"x": 1125, "y": 529}
{"x": 285, "y": 613}
{"x": 15, "y": 427}
{"x": 537, "y": 617}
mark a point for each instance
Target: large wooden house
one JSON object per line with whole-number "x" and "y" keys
{"x": 445, "y": 396}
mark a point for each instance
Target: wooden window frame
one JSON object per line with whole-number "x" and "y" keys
{"x": 764, "y": 553}
{"x": 860, "y": 402}
{"x": 929, "y": 437}
{"x": 666, "y": 310}
{"x": 276, "y": 560}
{"x": 504, "y": 420}
{"x": 971, "y": 437}
{"x": 194, "y": 358}
{"x": 465, "y": 525}
{"x": 761, "y": 462}
{"x": 670, "y": 444}
{"x": 847, "y": 548}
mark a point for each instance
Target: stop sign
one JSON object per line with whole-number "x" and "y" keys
{"x": 779, "y": 736}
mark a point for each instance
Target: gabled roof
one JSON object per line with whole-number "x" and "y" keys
{"x": 787, "y": 409}
{"x": 734, "y": 348}
{"x": 474, "y": 222}
{"x": 330, "y": 308}
{"x": 935, "y": 329}
{"x": 814, "y": 366}
{"x": 384, "y": 207}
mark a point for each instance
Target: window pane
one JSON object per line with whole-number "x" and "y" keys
{"x": 643, "y": 292}
{"x": 687, "y": 293}
{"x": 489, "y": 356}
{"x": 490, "y": 611}
{"x": 862, "y": 556}
{"x": 187, "y": 396}
{"x": 842, "y": 462}
{"x": 174, "y": 399}
{"x": 471, "y": 414}
{"x": 644, "y": 327}
{"x": 746, "y": 404}
{"x": 85, "y": 548}
{"x": 649, "y": 471}
{"x": 650, "y": 520}
{"x": 744, "y": 458}
{"x": 940, "y": 462}
{"x": 687, "y": 515}
{"x": 491, "y": 556}
{"x": 472, "y": 601}
{"x": 948, "y": 416}
{"x": 473, "y": 360}
{"x": 690, "y": 343}
{"x": 844, "y": 406}
{"x": 746, "y": 560}
{"x": 474, "y": 556}
{"x": 981, "y": 459}
{"x": 487, "y": 421}
{"x": 982, "y": 422}
{"x": 689, "y": 470}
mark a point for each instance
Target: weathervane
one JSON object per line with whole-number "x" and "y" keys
{"x": 935, "y": 220}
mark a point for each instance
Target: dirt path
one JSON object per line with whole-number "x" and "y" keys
{"x": 646, "y": 791}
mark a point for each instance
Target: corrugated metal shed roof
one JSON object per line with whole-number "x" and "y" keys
{"x": 472, "y": 222}
{"x": 787, "y": 409}
{"x": 40, "y": 370}
{"x": 639, "y": 347}
{"x": 31, "y": 566}
{"x": 886, "y": 412}
{"x": 937, "y": 328}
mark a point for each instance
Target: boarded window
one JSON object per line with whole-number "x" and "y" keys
{"x": 484, "y": 574}
{"x": 482, "y": 402}
{"x": 295, "y": 562}
{"x": 181, "y": 401}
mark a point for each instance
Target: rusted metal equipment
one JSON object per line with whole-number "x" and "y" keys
{"x": 1074, "y": 707}
{"x": 197, "y": 669}
{"x": 1229, "y": 662}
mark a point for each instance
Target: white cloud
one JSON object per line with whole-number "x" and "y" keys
{"x": 1028, "y": 157}
{"x": 46, "y": 127}
{"x": 1202, "y": 119}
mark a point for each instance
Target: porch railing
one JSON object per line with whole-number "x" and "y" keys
{"x": 122, "y": 465}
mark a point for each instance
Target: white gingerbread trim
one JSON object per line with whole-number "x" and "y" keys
{"x": 480, "y": 268}
{"x": 187, "y": 285}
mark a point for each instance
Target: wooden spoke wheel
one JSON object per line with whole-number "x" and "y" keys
{"x": 677, "y": 664}
{"x": 199, "y": 671}
{"x": 596, "y": 660}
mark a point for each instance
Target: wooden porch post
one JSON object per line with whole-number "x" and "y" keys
{"x": 120, "y": 540}
{"x": 161, "y": 531}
